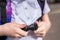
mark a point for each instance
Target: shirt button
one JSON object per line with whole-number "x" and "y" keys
{"x": 28, "y": 18}
{"x": 25, "y": 7}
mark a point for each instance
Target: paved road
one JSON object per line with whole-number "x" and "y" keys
{"x": 55, "y": 8}
{"x": 54, "y": 32}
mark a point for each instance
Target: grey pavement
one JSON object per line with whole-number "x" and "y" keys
{"x": 55, "y": 8}
{"x": 54, "y": 32}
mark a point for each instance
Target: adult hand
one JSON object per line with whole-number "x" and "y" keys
{"x": 13, "y": 30}
{"x": 43, "y": 27}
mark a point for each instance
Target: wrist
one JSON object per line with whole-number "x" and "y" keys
{"x": 1, "y": 30}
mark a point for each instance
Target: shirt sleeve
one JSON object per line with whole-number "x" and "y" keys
{"x": 46, "y": 8}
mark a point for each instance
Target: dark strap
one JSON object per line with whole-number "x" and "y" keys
{"x": 41, "y": 3}
{"x": 0, "y": 15}
{"x": 3, "y": 12}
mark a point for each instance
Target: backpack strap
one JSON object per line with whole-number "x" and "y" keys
{"x": 41, "y": 3}
{"x": 0, "y": 15}
{"x": 3, "y": 12}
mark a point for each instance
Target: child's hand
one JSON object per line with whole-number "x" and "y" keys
{"x": 43, "y": 27}
{"x": 13, "y": 30}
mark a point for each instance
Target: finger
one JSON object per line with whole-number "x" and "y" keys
{"x": 21, "y": 32}
{"x": 20, "y": 25}
{"x": 43, "y": 34}
{"x": 39, "y": 30}
{"x": 37, "y": 22}
{"x": 17, "y": 36}
{"x": 39, "y": 34}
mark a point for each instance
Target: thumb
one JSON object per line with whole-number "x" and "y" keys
{"x": 20, "y": 25}
{"x": 37, "y": 22}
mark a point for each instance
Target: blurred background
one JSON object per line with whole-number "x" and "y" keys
{"x": 54, "y": 32}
